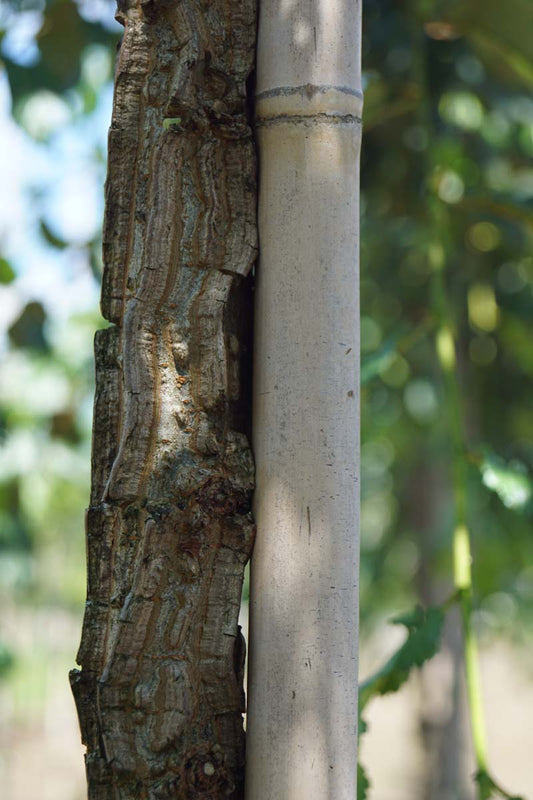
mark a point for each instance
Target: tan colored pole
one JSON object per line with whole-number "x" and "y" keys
{"x": 302, "y": 716}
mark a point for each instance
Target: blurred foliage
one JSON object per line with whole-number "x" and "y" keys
{"x": 64, "y": 30}
{"x": 56, "y": 58}
{"x": 468, "y": 67}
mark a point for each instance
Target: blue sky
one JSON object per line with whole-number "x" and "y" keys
{"x": 52, "y": 162}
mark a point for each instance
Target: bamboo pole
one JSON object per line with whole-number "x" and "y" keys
{"x": 302, "y": 717}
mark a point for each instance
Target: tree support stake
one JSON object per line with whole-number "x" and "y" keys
{"x": 302, "y": 700}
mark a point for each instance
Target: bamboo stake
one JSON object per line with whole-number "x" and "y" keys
{"x": 302, "y": 720}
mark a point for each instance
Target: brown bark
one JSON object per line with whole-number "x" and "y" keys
{"x": 169, "y": 528}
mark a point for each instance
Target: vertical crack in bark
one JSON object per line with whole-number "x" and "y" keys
{"x": 169, "y": 527}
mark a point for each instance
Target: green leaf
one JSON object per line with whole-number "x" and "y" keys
{"x": 424, "y": 633}
{"x": 363, "y": 784}
{"x": 171, "y": 122}
{"x": 51, "y": 237}
{"x": 62, "y": 40}
{"x": 94, "y": 252}
{"x": 7, "y": 659}
{"x": 510, "y": 482}
{"x": 28, "y": 330}
{"x": 489, "y": 789}
{"x": 7, "y": 273}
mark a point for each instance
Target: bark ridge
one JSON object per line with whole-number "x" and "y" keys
{"x": 169, "y": 527}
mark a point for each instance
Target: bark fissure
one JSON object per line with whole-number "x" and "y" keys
{"x": 169, "y": 527}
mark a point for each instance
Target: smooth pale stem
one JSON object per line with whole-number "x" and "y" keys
{"x": 302, "y": 691}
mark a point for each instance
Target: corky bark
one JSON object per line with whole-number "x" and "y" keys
{"x": 169, "y": 528}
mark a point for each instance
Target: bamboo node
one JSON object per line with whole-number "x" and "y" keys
{"x": 308, "y": 101}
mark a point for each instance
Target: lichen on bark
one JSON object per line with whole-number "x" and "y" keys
{"x": 169, "y": 527}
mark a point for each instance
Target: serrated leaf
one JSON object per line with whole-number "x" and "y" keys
{"x": 424, "y": 633}
{"x": 363, "y": 784}
{"x": 510, "y": 482}
{"x": 411, "y": 619}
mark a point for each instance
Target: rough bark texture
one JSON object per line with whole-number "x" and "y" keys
{"x": 169, "y": 528}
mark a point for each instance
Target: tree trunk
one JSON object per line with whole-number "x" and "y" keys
{"x": 302, "y": 719}
{"x": 440, "y": 682}
{"x": 169, "y": 528}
